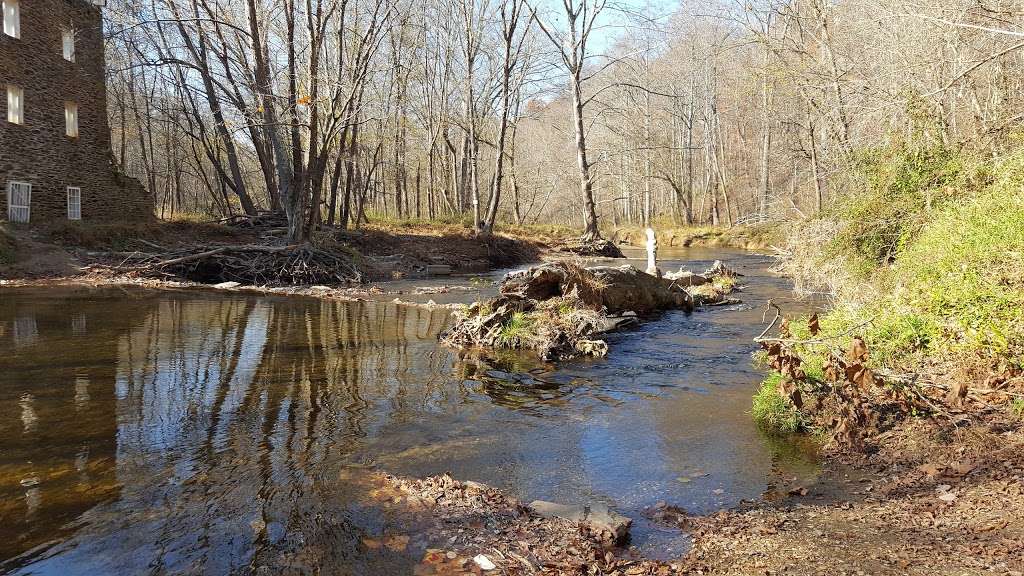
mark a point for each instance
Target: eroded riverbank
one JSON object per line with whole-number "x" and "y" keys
{"x": 202, "y": 431}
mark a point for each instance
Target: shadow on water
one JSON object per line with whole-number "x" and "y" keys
{"x": 184, "y": 432}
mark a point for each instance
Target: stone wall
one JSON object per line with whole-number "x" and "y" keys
{"x": 39, "y": 152}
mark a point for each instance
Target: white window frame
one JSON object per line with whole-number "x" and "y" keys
{"x": 74, "y": 203}
{"x": 67, "y": 39}
{"x": 15, "y": 104}
{"x": 12, "y": 18}
{"x": 21, "y": 212}
{"x": 71, "y": 119}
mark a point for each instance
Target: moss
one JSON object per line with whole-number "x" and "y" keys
{"x": 771, "y": 411}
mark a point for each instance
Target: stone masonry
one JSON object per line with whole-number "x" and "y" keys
{"x": 39, "y": 152}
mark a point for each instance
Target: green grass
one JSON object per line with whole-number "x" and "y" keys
{"x": 517, "y": 331}
{"x": 937, "y": 242}
{"x": 925, "y": 259}
{"x": 771, "y": 411}
{"x": 897, "y": 187}
{"x": 1017, "y": 408}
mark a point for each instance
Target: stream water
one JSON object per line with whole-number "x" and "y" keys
{"x": 162, "y": 432}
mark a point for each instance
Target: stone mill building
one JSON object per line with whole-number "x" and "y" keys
{"x": 55, "y": 154}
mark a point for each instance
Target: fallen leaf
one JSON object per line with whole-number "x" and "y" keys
{"x": 396, "y": 543}
{"x": 858, "y": 350}
{"x": 963, "y": 468}
{"x": 947, "y": 497}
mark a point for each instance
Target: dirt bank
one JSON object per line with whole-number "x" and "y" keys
{"x": 754, "y": 237}
{"x": 116, "y": 253}
{"x": 937, "y": 498}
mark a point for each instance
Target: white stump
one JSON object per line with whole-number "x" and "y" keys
{"x": 652, "y": 254}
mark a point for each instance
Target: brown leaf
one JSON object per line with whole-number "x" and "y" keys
{"x": 833, "y": 367}
{"x": 860, "y": 376}
{"x": 957, "y": 393}
{"x": 396, "y": 543}
{"x": 858, "y": 350}
{"x": 812, "y": 323}
{"x": 789, "y": 389}
{"x": 961, "y": 468}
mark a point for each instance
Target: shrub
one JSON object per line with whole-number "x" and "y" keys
{"x": 895, "y": 190}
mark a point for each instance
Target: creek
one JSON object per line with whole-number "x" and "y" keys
{"x": 183, "y": 432}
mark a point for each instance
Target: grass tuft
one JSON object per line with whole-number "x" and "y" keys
{"x": 771, "y": 411}
{"x": 519, "y": 331}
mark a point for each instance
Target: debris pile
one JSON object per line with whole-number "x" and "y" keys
{"x": 473, "y": 528}
{"x": 251, "y": 264}
{"x": 599, "y": 248}
{"x": 560, "y": 310}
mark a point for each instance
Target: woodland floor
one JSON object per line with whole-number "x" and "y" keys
{"x": 936, "y": 498}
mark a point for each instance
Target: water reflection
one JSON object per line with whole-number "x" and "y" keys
{"x": 189, "y": 433}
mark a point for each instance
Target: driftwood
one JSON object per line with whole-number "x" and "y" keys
{"x": 560, "y": 310}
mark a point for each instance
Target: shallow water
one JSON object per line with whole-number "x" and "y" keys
{"x": 199, "y": 432}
